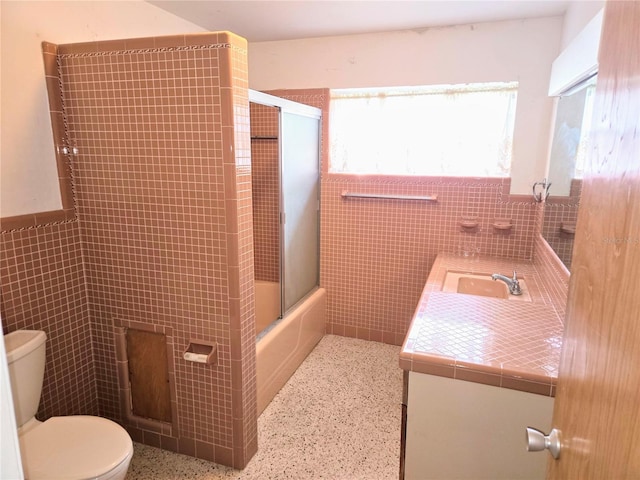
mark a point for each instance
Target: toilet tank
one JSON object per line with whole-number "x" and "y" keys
{"x": 26, "y": 359}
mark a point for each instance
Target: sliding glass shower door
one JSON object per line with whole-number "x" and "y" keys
{"x": 296, "y": 129}
{"x": 300, "y": 205}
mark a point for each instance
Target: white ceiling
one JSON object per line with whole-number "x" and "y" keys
{"x": 263, "y": 20}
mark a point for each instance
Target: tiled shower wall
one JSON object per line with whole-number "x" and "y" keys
{"x": 265, "y": 177}
{"x": 162, "y": 185}
{"x": 375, "y": 255}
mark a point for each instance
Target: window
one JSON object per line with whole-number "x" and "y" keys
{"x": 583, "y": 143}
{"x": 457, "y": 130}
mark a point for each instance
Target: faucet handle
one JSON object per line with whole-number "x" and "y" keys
{"x": 515, "y": 287}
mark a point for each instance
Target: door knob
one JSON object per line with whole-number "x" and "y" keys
{"x": 536, "y": 441}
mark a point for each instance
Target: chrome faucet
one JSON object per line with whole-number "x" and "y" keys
{"x": 512, "y": 283}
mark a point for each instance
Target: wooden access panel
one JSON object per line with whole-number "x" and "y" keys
{"x": 149, "y": 375}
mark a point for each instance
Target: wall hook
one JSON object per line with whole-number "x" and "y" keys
{"x": 541, "y": 190}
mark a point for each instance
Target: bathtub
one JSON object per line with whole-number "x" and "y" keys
{"x": 267, "y": 300}
{"x": 282, "y": 347}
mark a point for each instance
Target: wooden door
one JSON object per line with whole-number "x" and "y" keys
{"x": 597, "y": 407}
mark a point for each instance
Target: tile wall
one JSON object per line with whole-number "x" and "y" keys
{"x": 555, "y": 274}
{"x": 265, "y": 178}
{"x": 163, "y": 240}
{"x": 236, "y": 124}
{"x": 167, "y": 239}
{"x": 42, "y": 284}
{"x": 375, "y": 255}
{"x": 42, "y": 287}
{"x": 561, "y": 211}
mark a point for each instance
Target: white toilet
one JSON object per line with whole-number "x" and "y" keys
{"x": 74, "y": 447}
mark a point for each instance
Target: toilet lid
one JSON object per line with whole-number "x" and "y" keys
{"x": 77, "y": 446}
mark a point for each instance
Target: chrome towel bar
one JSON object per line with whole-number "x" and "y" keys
{"x": 426, "y": 198}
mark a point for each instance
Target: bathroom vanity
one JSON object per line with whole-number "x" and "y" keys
{"x": 480, "y": 367}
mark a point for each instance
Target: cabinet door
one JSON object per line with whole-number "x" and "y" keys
{"x": 466, "y": 430}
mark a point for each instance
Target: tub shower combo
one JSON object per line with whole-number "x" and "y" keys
{"x": 289, "y": 305}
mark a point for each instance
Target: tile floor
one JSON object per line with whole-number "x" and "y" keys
{"x": 337, "y": 418}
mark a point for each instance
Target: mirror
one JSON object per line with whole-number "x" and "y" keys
{"x": 568, "y": 150}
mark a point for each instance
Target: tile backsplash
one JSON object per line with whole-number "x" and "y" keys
{"x": 377, "y": 253}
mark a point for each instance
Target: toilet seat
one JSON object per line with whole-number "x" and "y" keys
{"x": 74, "y": 447}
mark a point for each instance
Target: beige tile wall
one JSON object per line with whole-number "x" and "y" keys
{"x": 163, "y": 187}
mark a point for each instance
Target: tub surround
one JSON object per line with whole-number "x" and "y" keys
{"x": 496, "y": 342}
{"x": 375, "y": 254}
{"x": 267, "y": 304}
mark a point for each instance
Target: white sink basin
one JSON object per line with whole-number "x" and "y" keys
{"x": 482, "y": 285}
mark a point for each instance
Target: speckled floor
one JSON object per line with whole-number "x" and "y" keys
{"x": 337, "y": 418}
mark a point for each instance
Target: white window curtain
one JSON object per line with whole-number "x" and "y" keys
{"x": 457, "y": 130}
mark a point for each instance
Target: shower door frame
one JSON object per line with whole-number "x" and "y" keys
{"x": 287, "y": 106}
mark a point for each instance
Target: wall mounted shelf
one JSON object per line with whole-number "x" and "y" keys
{"x": 503, "y": 224}
{"x": 469, "y": 223}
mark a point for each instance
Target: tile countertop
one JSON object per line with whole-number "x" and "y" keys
{"x": 504, "y": 343}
